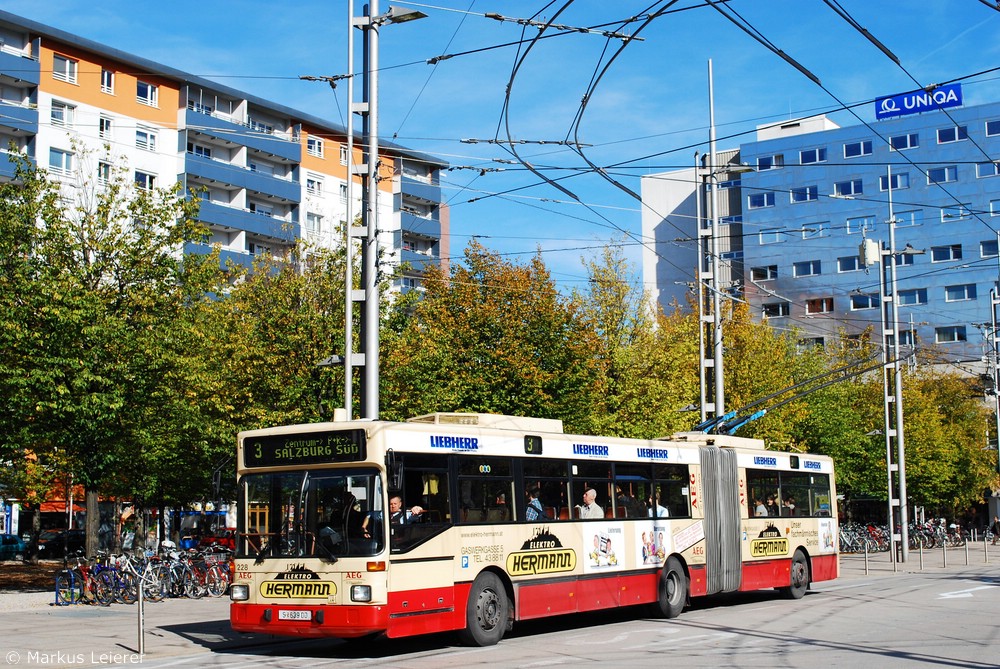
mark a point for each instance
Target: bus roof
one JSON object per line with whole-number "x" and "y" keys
{"x": 497, "y": 421}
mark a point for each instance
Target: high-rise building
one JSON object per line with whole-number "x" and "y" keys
{"x": 811, "y": 192}
{"x": 268, "y": 175}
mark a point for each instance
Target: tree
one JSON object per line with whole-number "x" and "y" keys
{"x": 96, "y": 289}
{"x": 496, "y": 337}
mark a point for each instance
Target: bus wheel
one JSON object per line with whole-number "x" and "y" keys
{"x": 672, "y": 589}
{"x": 799, "y": 577}
{"x": 487, "y": 612}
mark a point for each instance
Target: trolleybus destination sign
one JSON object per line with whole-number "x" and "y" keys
{"x": 914, "y": 102}
{"x": 304, "y": 448}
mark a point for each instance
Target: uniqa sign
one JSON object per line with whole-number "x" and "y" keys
{"x": 949, "y": 95}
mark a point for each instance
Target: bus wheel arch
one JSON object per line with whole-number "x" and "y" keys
{"x": 799, "y": 575}
{"x": 672, "y": 588}
{"x": 489, "y": 612}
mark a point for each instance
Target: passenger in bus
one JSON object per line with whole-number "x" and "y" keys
{"x": 759, "y": 508}
{"x": 590, "y": 508}
{"x": 788, "y": 506}
{"x": 534, "y": 510}
{"x": 772, "y": 506}
{"x": 661, "y": 511}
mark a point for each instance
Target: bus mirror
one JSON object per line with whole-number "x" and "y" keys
{"x": 394, "y": 470}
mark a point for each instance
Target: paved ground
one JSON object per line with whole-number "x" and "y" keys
{"x": 34, "y": 632}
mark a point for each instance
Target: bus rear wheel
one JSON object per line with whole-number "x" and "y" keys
{"x": 487, "y": 613}
{"x": 671, "y": 590}
{"x": 799, "y": 577}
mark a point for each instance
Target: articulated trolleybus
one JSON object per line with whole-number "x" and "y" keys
{"x": 473, "y": 522}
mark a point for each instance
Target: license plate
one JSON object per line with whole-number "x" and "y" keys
{"x": 294, "y": 615}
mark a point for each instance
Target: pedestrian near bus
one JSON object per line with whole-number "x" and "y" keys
{"x": 995, "y": 529}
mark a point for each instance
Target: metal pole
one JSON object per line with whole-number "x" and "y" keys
{"x": 904, "y": 529}
{"x": 699, "y": 192}
{"x": 886, "y": 432}
{"x": 369, "y": 212}
{"x": 717, "y": 374}
{"x": 348, "y": 237}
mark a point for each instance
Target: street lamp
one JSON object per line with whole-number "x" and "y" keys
{"x": 369, "y": 23}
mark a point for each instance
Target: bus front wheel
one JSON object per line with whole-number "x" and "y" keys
{"x": 671, "y": 590}
{"x": 799, "y": 577}
{"x": 487, "y": 613}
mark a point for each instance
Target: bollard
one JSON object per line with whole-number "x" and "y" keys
{"x": 141, "y": 644}
{"x": 921, "y": 545}
{"x": 986, "y": 550}
{"x": 966, "y": 553}
{"x": 866, "y": 558}
{"x": 944, "y": 553}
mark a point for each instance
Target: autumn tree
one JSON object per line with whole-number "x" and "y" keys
{"x": 494, "y": 336}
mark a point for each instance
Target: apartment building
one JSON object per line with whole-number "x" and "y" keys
{"x": 799, "y": 201}
{"x": 268, "y": 175}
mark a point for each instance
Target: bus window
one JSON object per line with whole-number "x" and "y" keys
{"x": 549, "y": 476}
{"x": 633, "y": 490}
{"x": 671, "y": 490}
{"x": 763, "y": 486}
{"x": 424, "y": 484}
{"x": 486, "y": 490}
{"x": 595, "y": 476}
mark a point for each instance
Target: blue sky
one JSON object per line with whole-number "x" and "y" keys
{"x": 648, "y": 113}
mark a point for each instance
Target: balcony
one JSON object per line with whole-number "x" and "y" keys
{"x": 418, "y": 262}
{"x": 242, "y": 177}
{"x": 230, "y": 131}
{"x": 420, "y": 189}
{"x": 426, "y": 227}
{"x": 17, "y": 65}
{"x": 225, "y": 257}
{"x": 19, "y": 118}
{"x": 7, "y": 171}
{"x": 235, "y": 218}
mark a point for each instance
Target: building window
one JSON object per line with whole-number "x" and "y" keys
{"x": 992, "y": 128}
{"x": 199, "y": 150}
{"x": 261, "y": 209}
{"x": 775, "y": 309}
{"x": 63, "y": 115}
{"x": 107, "y": 81}
{"x": 772, "y": 236}
{"x": 994, "y": 207}
{"x": 988, "y": 248}
{"x": 852, "y": 187}
{"x": 805, "y": 194}
{"x": 860, "y": 224}
{"x": 760, "y": 200}
{"x": 104, "y": 127}
{"x": 146, "y": 93}
{"x": 819, "y": 305}
{"x": 200, "y": 107}
{"x": 902, "y": 142}
{"x": 958, "y": 213}
{"x": 145, "y": 139}
{"x": 904, "y": 259}
{"x": 765, "y": 273}
{"x": 810, "y": 156}
{"x": 807, "y": 343}
{"x": 949, "y": 334}
{"x": 953, "y": 134}
{"x": 145, "y": 180}
{"x": 945, "y": 253}
{"x": 343, "y": 192}
{"x": 861, "y": 302}
{"x": 898, "y": 181}
{"x": 942, "y": 175}
{"x": 848, "y": 264}
{"x": 314, "y": 185}
{"x": 856, "y": 149}
{"x": 912, "y": 297}
{"x": 961, "y": 293}
{"x": 60, "y": 162}
{"x": 103, "y": 173}
{"x": 906, "y": 219}
{"x": 314, "y": 223}
{"x": 816, "y": 230}
{"x": 774, "y": 162}
{"x": 314, "y": 147}
{"x": 806, "y": 268}
{"x": 343, "y": 154}
{"x": 64, "y": 69}
{"x": 987, "y": 169}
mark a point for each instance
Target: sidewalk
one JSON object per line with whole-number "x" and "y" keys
{"x": 36, "y": 633}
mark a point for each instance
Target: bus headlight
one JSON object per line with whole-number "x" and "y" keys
{"x": 361, "y": 593}
{"x": 239, "y": 592}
